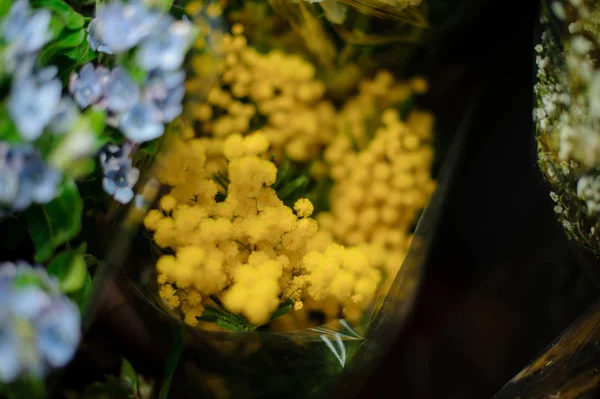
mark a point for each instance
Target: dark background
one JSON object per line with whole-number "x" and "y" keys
{"x": 502, "y": 281}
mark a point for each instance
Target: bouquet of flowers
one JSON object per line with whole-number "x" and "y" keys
{"x": 280, "y": 206}
{"x": 80, "y": 102}
{"x": 265, "y": 159}
{"x": 567, "y": 115}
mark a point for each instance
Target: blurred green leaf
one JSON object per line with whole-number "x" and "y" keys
{"x": 150, "y": 147}
{"x": 129, "y": 375}
{"x": 70, "y": 269}
{"x": 55, "y": 223}
{"x": 113, "y": 388}
{"x": 67, "y": 40}
{"x": 171, "y": 363}
{"x": 406, "y": 106}
{"x": 284, "y": 308}
{"x": 57, "y": 26}
{"x": 25, "y": 387}
{"x": 4, "y": 7}
{"x": 81, "y": 297}
{"x": 8, "y": 130}
{"x": 71, "y": 18}
{"x": 297, "y": 186}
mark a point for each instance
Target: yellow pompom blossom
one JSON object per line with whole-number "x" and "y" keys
{"x": 380, "y": 190}
{"x": 276, "y": 88}
{"x": 303, "y": 207}
{"x": 246, "y": 249}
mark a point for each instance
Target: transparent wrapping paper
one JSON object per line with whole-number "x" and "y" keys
{"x": 265, "y": 359}
{"x": 298, "y": 364}
{"x": 567, "y": 368}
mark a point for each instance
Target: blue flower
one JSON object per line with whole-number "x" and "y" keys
{"x": 166, "y": 90}
{"x": 119, "y": 174}
{"x": 10, "y": 167}
{"x": 38, "y": 183}
{"x": 121, "y": 26}
{"x": 39, "y": 327}
{"x": 166, "y": 46}
{"x": 25, "y": 178}
{"x": 121, "y": 92}
{"x": 32, "y": 102}
{"x": 10, "y": 365}
{"x": 142, "y": 122}
{"x": 58, "y": 332}
{"x": 87, "y": 86}
{"x": 25, "y": 31}
{"x": 65, "y": 116}
{"x": 95, "y": 42}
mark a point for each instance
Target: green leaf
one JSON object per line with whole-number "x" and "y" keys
{"x": 81, "y": 54}
{"x": 25, "y": 387}
{"x": 298, "y": 185}
{"x": 284, "y": 308}
{"x": 283, "y": 172}
{"x": 81, "y": 297}
{"x": 129, "y": 375}
{"x": 66, "y": 40}
{"x": 26, "y": 280}
{"x": 171, "y": 363}
{"x": 71, "y": 18}
{"x": 150, "y": 147}
{"x": 55, "y": 223}
{"x": 225, "y": 319}
{"x": 57, "y": 26}
{"x": 406, "y": 106}
{"x": 4, "y": 7}
{"x": 70, "y": 269}
{"x": 8, "y": 130}
{"x": 97, "y": 120}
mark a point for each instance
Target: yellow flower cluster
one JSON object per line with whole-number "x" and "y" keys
{"x": 361, "y": 114}
{"x": 342, "y": 273}
{"x": 277, "y": 90}
{"x": 379, "y": 191}
{"x": 251, "y": 250}
{"x": 247, "y": 249}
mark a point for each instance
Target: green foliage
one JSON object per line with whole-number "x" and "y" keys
{"x": 26, "y": 387}
{"x": 135, "y": 71}
{"x": 226, "y": 320}
{"x": 406, "y": 106}
{"x": 294, "y": 181}
{"x": 128, "y": 385}
{"x": 8, "y": 130}
{"x": 235, "y": 322}
{"x": 81, "y": 297}
{"x": 67, "y": 40}
{"x": 129, "y": 375}
{"x": 4, "y": 7}
{"x": 70, "y": 269}
{"x": 69, "y": 17}
{"x": 55, "y": 223}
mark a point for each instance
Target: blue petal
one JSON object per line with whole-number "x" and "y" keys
{"x": 59, "y": 332}
{"x": 124, "y": 195}
{"x": 10, "y": 364}
{"x": 142, "y": 123}
{"x": 29, "y": 302}
{"x": 110, "y": 187}
{"x": 122, "y": 93}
